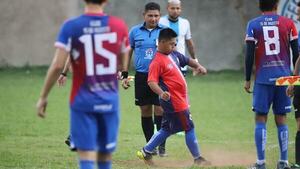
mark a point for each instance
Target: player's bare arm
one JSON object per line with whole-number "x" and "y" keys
{"x": 198, "y": 68}
{"x": 156, "y": 89}
{"x": 125, "y": 66}
{"x": 61, "y": 81}
{"x": 191, "y": 48}
{"x": 53, "y": 73}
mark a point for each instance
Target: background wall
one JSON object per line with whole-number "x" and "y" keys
{"x": 28, "y": 28}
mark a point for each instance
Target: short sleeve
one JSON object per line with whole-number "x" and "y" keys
{"x": 250, "y": 33}
{"x": 294, "y": 32}
{"x": 154, "y": 72}
{"x": 188, "y": 34}
{"x": 64, "y": 39}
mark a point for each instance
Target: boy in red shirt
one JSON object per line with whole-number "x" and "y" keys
{"x": 166, "y": 80}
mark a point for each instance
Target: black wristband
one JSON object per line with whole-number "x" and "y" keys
{"x": 64, "y": 74}
{"x": 124, "y": 75}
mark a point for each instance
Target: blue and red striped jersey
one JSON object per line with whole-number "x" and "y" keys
{"x": 95, "y": 42}
{"x": 272, "y": 35}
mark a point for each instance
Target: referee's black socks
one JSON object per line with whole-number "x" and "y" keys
{"x": 148, "y": 127}
{"x": 297, "y": 149}
{"x": 157, "y": 121}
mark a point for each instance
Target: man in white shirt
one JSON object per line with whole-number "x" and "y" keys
{"x": 181, "y": 26}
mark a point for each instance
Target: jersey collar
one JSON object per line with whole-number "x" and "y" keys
{"x": 269, "y": 13}
{"x": 94, "y": 14}
{"x": 143, "y": 26}
{"x": 173, "y": 21}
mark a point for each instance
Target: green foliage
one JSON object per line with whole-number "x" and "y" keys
{"x": 220, "y": 108}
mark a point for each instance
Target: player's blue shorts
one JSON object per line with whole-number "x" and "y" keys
{"x": 94, "y": 131}
{"x": 176, "y": 122}
{"x": 266, "y": 95}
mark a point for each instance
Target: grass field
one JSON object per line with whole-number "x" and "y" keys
{"x": 221, "y": 112}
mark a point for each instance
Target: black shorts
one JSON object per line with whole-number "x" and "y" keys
{"x": 143, "y": 94}
{"x": 296, "y": 101}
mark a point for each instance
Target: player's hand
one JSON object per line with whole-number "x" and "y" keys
{"x": 200, "y": 70}
{"x": 290, "y": 91}
{"x": 61, "y": 81}
{"x": 125, "y": 83}
{"x": 165, "y": 96}
{"x": 41, "y": 107}
{"x": 247, "y": 86}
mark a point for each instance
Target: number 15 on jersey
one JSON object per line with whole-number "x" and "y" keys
{"x": 96, "y": 45}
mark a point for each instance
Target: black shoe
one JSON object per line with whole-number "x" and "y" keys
{"x": 283, "y": 165}
{"x": 162, "y": 151}
{"x": 70, "y": 144}
{"x": 200, "y": 161}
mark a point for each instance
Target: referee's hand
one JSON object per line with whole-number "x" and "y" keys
{"x": 125, "y": 83}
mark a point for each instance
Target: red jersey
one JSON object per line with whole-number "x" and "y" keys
{"x": 165, "y": 70}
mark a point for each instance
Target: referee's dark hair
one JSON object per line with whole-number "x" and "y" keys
{"x": 99, "y": 2}
{"x": 152, "y": 6}
{"x": 167, "y": 34}
{"x": 268, "y": 5}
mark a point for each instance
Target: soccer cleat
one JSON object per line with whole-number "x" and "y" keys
{"x": 70, "y": 144}
{"x": 295, "y": 166}
{"x": 154, "y": 152}
{"x": 146, "y": 157}
{"x": 200, "y": 161}
{"x": 283, "y": 165}
{"x": 257, "y": 166}
{"x": 162, "y": 151}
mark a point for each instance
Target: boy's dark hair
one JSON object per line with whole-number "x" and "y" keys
{"x": 298, "y": 4}
{"x": 152, "y": 6}
{"x": 95, "y": 1}
{"x": 267, "y": 5}
{"x": 167, "y": 34}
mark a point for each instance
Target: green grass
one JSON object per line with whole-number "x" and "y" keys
{"x": 220, "y": 108}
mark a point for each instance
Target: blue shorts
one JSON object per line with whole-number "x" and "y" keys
{"x": 176, "y": 122}
{"x": 266, "y": 95}
{"x": 94, "y": 131}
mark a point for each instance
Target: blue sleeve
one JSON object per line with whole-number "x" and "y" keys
{"x": 250, "y": 32}
{"x": 183, "y": 60}
{"x": 131, "y": 38}
{"x": 63, "y": 36}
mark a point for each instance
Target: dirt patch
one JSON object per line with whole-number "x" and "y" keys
{"x": 230, "y": 158}
{"x": 171, "y": 163}
{"x": 218, "y": 157}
